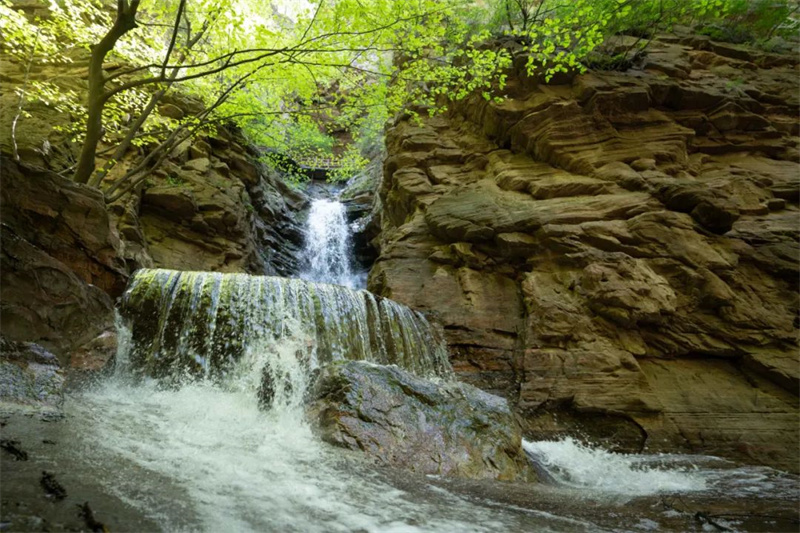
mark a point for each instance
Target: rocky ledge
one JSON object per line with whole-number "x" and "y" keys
{"x": 617, "y": 253}
{"x": 66, "y": 254}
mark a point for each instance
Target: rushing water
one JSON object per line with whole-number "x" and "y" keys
{"x": 570, "y": 463}
{"x": 327, "y": 254}
{"x": 201, "y": 323}
{"x": 205, "y": 457}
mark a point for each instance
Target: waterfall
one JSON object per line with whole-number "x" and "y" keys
{"x": 328, "y": 246}
{"x": 200, "y": 324}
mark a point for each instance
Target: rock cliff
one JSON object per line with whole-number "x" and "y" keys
{"x": 615, "y": 252}
{"x": 60, "y": 265}
{"x": 213, "y": 207}
{"x": 66, "y": 254}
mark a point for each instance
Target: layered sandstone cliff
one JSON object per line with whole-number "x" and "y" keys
{"x": 616, "y": 253}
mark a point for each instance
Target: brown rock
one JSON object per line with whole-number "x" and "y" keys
{"x": 644, "y": 164}
{"x": 613, "y": 256}
{"x": 200, "y": 149}
{"x": 627, "y": 292}
{"x": 66, "y": 220}
{"x": 776, "y": 204}
{"x": 96, "y": 356}
{"x": 171, "y": 111}
{"x": 177, "y": 200}
{"x": 43, "y": 301}
{"x": 243, "y": 169}
{"x": 200, "y": 165}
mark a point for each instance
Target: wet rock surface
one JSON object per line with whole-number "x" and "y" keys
{"x": 446, "y": 428}
{"x": 30, "y": 376}
{"x": 620, "y": 251}
{"x": 363, "y": 210}
{"x": 50, "y": 491}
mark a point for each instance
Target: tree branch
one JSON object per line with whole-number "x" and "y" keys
{"x": 123, "y": 147}
{"x": 125, "y": 22}
{"x": 174, "y": 37}
{"x": 166, "y": 147}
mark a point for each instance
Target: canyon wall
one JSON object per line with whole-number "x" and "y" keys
{"x": 615, "y": 252}
{"x": 66, "y": 254}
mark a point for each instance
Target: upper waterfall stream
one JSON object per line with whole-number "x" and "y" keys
{"x": 327, "y": 254}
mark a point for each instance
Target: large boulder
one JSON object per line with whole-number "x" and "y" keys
{"x": 431, "y": 427}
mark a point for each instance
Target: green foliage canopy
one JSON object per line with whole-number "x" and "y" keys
{"x": 290, "y": 78}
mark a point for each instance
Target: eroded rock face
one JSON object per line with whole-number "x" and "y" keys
{"x": 210, "y": 206}
{"x": 621, "y": 251}
{"x": 66, "y": 220}
{"x": 399, "y": 419}
{"x": 59, "y": 263}
{"x": 212, "y": 209}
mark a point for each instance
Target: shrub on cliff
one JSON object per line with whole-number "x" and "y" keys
{"x": 559, "y": 36}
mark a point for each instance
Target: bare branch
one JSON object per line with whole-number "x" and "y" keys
{"x": 165, "y": 147}
{"x": 123, "y": 146}
{"x": 174, "y": 37}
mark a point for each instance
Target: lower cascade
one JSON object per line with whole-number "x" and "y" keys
{"x": 202, "y": 323}
{"x": 212, "y": 455}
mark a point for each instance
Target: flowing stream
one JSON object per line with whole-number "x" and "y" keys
{"x": 177, "y": 439}
{"x": 206, "y": 457}
{"x": 327, "y": 254}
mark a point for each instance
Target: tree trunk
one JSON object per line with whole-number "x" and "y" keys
{"x": 125, "y": 22}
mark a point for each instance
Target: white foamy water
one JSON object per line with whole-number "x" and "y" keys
{"x": 571, "y": 463}
{"x": 205, "y": 457}
{"x": 328, "y": 246}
